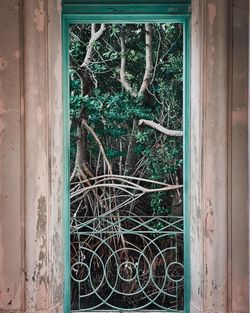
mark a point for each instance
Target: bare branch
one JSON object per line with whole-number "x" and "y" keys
{"x": 169, "y": 132}
{"x": 87, "y": 78}
{"x": 156, "y": 60}
{"x": 128, "y": 178}
{"x": 123, "y": 79}
{"x": 124, "y": 183}
{"x": 148, "y": 59}
{"x": 123, "y": 187}
{"x": 81, "y": 158}
{"x": 89, "y": 129}
{"x": 95, "y": 35}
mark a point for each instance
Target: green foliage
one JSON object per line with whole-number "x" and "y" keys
{"x": 110, "y": 110}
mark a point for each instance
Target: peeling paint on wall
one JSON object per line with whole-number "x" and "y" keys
{"x": 41, "y": 217}
{"x": 31, "y": 268}
{"x": 40, "y": 17}
{"x": 3, "y": 63}
{"x": 1, "y": 130}
{"x": 40, "y": 273}
{"x": 16, "y": 55}
{"x": 57, "y": 277}
{"x": 2, "y": 107}
{"x": 209, "y": 223}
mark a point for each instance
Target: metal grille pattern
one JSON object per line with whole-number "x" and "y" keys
{"x": 127, "y": 262}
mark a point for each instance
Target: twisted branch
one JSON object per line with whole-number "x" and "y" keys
{"x": 166, "y": 131}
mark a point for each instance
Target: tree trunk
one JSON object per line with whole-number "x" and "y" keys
{"x": 131, "y": 158}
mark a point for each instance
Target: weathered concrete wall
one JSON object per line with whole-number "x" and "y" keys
{"x": 11, "y": 160}
{"x": 196, "y": 143}
{"x": 239, "y": 156}
{"x": 219, "y": 253}
{"x": 209, "y": 150}
{"x": 31, "y": 246}
{"x": 31, "y": 252}
{"x": 36, "y": 155}
{"x": 43, "y": 155}
{"x": 215, "y": 156}
{"x": 55, "y": 213}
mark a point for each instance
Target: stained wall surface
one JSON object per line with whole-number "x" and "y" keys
{"x": 11, "y": 160}
{"x": 31, "y": 251}
{"x": 219, "y": 168}
{"x": 239, "y": 158}
{"x": 210, "y": 107}
{"x": 31, "y": 165}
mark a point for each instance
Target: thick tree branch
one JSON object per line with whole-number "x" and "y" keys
{"x": 131, "y": 158}
{"x": 169, "y": 132}
{"x": 95, "y": 35}
{"x": 123, "y": 78}
{"x": 86, "y": 80}
{"x": 148, "y": 59}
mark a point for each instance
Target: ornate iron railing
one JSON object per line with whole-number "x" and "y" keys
{"x": 127, "y": 262}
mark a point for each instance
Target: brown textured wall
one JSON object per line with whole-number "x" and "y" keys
{"x": 31, "y": 253}
{"x": 31, "y": 242}
{"x": 215, "y": 155}
{"x": 196, "y": 131}
{"x": 219, "y": 221}
{"x": 43, "y": 156}
{"x": 209, "y": 155}
{"x": 11, "y": 159}
{"x": 35, "y": 20}
{"x": 55, "y": 213}
{"x": 239, "y": 118}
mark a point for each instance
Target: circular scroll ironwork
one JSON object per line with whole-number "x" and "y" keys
{"x": 129, "y": 269}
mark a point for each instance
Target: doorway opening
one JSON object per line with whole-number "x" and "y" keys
{"x": 126, "y": 221}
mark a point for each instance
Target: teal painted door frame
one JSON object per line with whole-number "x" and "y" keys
{"x": 125, "y": 9}
{"x": 73, "y": 13}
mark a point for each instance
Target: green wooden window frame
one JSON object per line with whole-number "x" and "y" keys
{"x": 115, "y": 11}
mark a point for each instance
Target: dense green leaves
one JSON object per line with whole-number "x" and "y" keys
{"x": 111, "y": 110}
